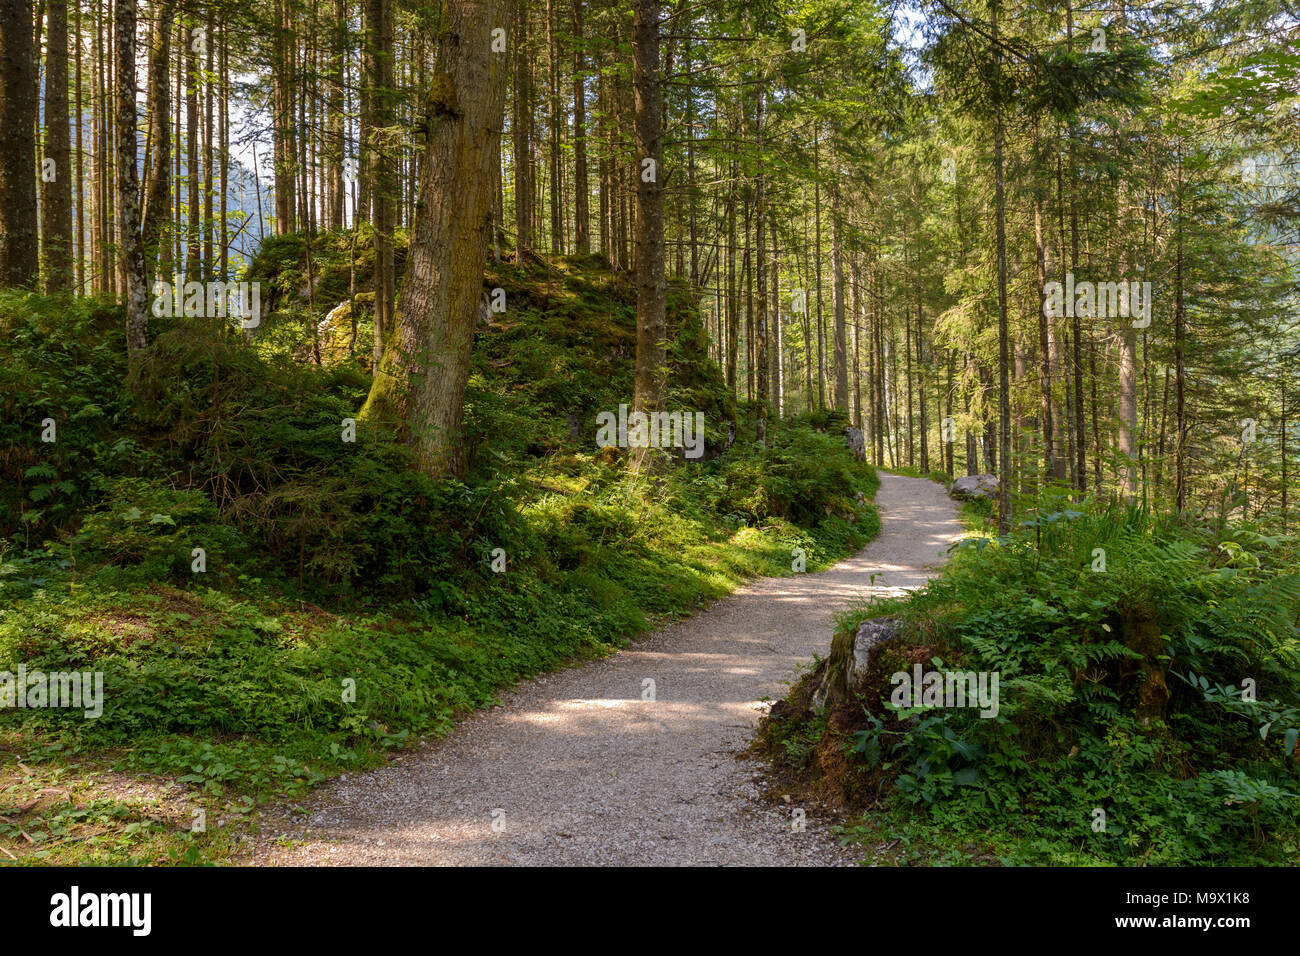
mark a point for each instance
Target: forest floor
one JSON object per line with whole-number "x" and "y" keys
{"x": 595, "y": 765}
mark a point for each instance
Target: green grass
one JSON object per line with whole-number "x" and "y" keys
{"x": 347, "y": 607}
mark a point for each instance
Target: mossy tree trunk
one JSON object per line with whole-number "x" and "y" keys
{"x": 419, "y": 388}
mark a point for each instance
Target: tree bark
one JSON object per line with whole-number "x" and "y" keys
{"x": 379, "y": 80}
{"x": 1052, "y": 465}
{"x": 733, "y": 291}
{"x": 651, "y": 306}
{"x": 19, "y": 263}
{"x": 56, "y": 210}
{"x": 553, "y": 105}
{"x": 1004, "y": 334}
{"x": 81, "y": 162}
{"x": 581, "y": 209}
{"x": 1180, "y": 355}
{"x": 419, "y": 387}
{"x": 131, "y": 247}
{"x": 194, "y": 251}
{"x": 840, "y": 356}
{"x": 285, "y": 150}
{"x": 337, "y": 118}
{"x": 157, "y": 202}
{"x": 521, "y": 131}
{"x": 209, "y": 193}
{"x": 817, "y": 261}
{"x": 760, "y": 268}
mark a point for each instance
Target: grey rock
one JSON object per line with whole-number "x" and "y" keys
{"x": 972, "y": 487}
{"x": 857, "y": 443}
{"x": 844, "y": 668}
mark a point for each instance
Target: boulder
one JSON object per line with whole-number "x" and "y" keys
{"x": 849, "y": 658}
{"x": 974, "y": 486}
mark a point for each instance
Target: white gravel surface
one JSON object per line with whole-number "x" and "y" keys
{"x": 576, "y": 768}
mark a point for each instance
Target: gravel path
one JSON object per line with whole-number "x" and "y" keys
{"x": 576, "y": 767}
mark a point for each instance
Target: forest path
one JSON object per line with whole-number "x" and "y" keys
{"x": 578, "y": 769}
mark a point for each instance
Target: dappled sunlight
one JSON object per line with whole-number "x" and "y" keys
{"x": 652, "y": 731}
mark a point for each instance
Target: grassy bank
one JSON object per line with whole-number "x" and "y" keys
{"x": 345, "y": 606}
{"x": 1149, "y": 701}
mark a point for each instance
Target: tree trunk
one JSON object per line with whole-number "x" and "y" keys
{"x": 285, "y": 150}
{"x": 379, "y": 79}
{"x": 157, "y": 202}
{"x": 775, "y": 374}
{"x": 1052, "y": 466}
{"x": 733, "y": 291}
{"x": 56, "y": 210}
{"x": 194, "y": 251}
{"x": 223, "y": 123}
{"x": 1127, "y": 411}
{"x": 80, "y": 164}
{"x": 760, "y": 269}
{"x": 521, "y": 132}
{"x": 857, "y": 357}
{"x": 840, "y": 356}
{"x": 923, "y": 422}
{"x": 651, "y": 372}
{"x": 19, "y": 263}
{"x": 553, "y": 104}
{"x": 1180, "y": 357}
{"x": 131, "y": 248}
{"x": 209, "y": 219}
{"x": 419, "y": 387}
{"x": 337, "y": 149}
{"x": 948, "y": 446}
{"x": 581, "y": 211}
{"x": 1004, "y": 332}
{"x": 1282, "y": 435}
{"x": 817, "y": 266}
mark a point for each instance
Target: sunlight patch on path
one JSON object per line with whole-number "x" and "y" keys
{"x": 576, "y": 767}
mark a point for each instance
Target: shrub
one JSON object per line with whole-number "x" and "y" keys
{"x": 1121, "y": 691}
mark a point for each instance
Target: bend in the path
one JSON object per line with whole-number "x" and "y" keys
{"x": 577, "y": 767}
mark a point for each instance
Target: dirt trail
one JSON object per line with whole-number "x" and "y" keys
{"x": 576, "y": 768}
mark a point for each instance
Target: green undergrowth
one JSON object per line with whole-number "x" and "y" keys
{"x": 343, "y": 606}
{"x": 1149, "y": 701}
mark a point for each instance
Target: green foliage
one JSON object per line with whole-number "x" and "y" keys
{"x": 142, "y": 523}
{"x": 1121, "y": 690}
{"x": 60, "y": 362}
{"x": 800, "y": 475}
{"x": 233, "y": 682}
